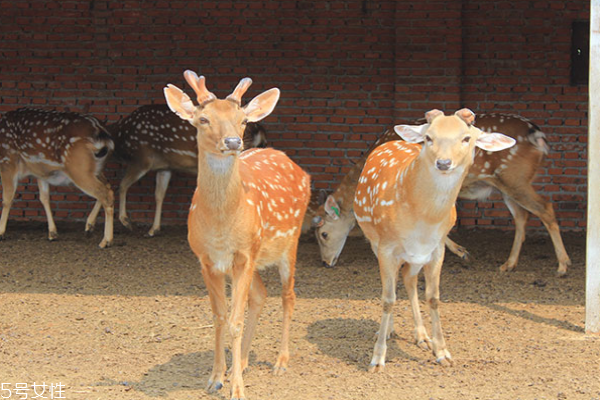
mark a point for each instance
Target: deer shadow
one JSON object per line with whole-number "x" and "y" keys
{"x": 347, "y": 339}
{"x": 557, "y": 323}
{"x": 181, "y": 372}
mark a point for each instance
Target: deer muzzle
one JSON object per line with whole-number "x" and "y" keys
{"x": 233, "y": 143}
{"x": 443, "y": 164}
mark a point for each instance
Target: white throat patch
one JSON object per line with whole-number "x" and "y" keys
{"x": 220, "y": 165}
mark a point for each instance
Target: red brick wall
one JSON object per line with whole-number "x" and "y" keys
{"x": 517, "y": 60}
{"x": 347, "y": 71}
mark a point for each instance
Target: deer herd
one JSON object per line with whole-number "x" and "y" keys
{"x": 251, "y": 202}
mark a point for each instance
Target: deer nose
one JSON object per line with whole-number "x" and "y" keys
{"x": 443, "y": 165}
{"x": 233, "y": 143}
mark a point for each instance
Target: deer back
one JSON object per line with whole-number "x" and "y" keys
{"x": 385, "y": 167}
{"x": 510, "y": 168}
{"x": 47, "y": 140}
{"x": 277, "y": 188}
{"x": 155, "y": 133}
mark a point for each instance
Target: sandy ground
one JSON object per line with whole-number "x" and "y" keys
{"x": 133, "y": 322}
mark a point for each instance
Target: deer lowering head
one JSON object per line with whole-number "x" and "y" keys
{"x": 404, "y": 204}
{"x": 246, "y": 214}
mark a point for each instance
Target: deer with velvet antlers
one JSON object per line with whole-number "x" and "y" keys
{"x": 405, "y": 205}
{"x": 246, "y": 214}
{"x": 58, "y": 148}
{"x": 152, "y": 138}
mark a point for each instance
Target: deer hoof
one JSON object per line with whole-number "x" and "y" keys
{"x": 506, "y": 267}
{"x": 424, "y": 344}
{"x": 214, "y": 386}
{"x": 374, "y": 368}
{"x": 52, "y": 236}
{"x": 445, "y": 360}
{"x": 126, "y": 223}
{"x": 561, "y": 273}
{"x": 466, "y": 256}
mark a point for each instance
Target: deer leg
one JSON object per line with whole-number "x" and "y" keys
{"x": 534, "y": 203}
{"x": 9, "y": 178}
{"x": 388, "y": 270}
{"x": 99, "y": 188}
{"x": 520, "y": 215}
{"x": 432, "y": 272}
{"x": 90, "y": 223}
{"x": 45, "y": 200}
{"x": 288, "y": 301}
{"x": 457, "y": 249}
{"x": 162, "y": 183}
{"x": 256, "y": 301}
{"x": 242, "y": 276}
{"x": 410, "y": 276}
{"x": 133, "y": 173}
{"x": 215, "y": 284}
{"x": 549, "y": 221}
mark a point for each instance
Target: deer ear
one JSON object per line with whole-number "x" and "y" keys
{"x": 179, "y": 102}
{"x": 332, "y": 208}
{"x": 412, "y": 133}
{"x": 262, "y": 105}
{"x": 494, "y": 141}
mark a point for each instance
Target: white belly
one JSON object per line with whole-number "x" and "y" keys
{"x": 58, "y": 178}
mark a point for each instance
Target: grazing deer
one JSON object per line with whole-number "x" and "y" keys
{"x": 510, "y": 171}
{"x": 153, "y": 138}
{"x": 57, "y": 148}
{"x": 405, "y": 205}
{"x": 246, "y": 214}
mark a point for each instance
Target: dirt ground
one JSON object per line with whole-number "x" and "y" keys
{"x": 134, "y": 322}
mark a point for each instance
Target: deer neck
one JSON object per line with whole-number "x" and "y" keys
{"x": 433, "y": 193}
{"x": 219, "y": 181}
{"x": 347, "y": 188}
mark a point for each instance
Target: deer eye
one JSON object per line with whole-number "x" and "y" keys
{"x": 203, "y": 121}
{"x": 466, "y": 139}
{"x": 245, "y": 122}
{"x": 324, "y": 235}
{"x": 428, "y": 139}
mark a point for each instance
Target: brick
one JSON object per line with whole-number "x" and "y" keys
{"x": 344, "y": 81}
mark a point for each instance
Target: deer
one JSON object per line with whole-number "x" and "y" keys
{"x": 405, "y": 206}
{"x": 510, "y": 171}
{"x": 246, "y": 214}
{"x": 57, "y": 148}
{"x": 153, "y": 138}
